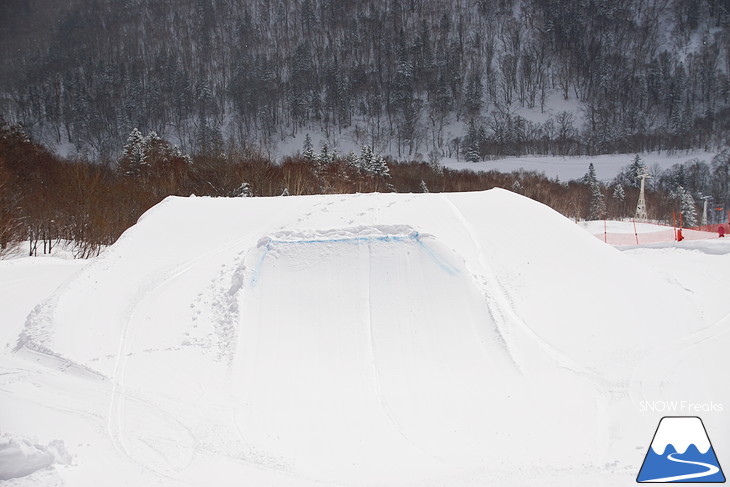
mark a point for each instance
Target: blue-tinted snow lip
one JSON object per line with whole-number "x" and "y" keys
{"x": 414, "y": 236}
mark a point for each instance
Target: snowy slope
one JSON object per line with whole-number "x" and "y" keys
{"x": 377, "y": 339}
{"x": 568, "y": 168}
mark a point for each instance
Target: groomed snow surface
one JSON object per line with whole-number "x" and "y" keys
{"x": 356, "y": 340}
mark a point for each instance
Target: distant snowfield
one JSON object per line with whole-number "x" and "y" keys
{"x": 564, "y": 168}
{"x": 370, "y": 339}
{"x": 569, "y": 168}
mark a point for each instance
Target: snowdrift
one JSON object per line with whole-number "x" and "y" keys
{"x": 363, "y": 339}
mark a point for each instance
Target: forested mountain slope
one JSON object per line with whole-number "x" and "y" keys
{"x": 454, "y": 78}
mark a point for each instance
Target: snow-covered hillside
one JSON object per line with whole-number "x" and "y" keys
{"x": 369, "y": 339}
{"x": 573, "y": 168}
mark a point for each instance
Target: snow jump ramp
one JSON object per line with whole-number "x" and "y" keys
{"x": 373, "y": 333}
{"x": 360, "y": 340}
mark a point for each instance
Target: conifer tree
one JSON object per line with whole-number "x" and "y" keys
{"x": 598, "y": 202}
{"x": 687, "y": 207}
{"x": 133, "y": 154}
{"x": 471, "y": 143}
{"x": 619, "y": 195}
{"x": 636, "y": 169}
{"x": 326, "y": 156}
{"x": 372, "y": 164}
{"x": 243, "y": 191}
{"x": 308, "y": 153}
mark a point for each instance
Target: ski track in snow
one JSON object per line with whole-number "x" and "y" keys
{"x": 119, "y": 394}
{"x": 385, "y": 409}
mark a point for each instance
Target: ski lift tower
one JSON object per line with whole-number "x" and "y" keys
{"x": 704, "y": 210}
{"x": 641, "y": 205}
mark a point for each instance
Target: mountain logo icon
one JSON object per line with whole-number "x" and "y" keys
{"x": 681, "y": 452}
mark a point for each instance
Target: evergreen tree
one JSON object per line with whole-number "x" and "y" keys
{"x": 598, "y": 202}
{"x": 619, "y": 195}
{"x": 365, "y": 160}
{"x": 372, "y": 164}
{"x": 424, "y": 188}
{"x": 326, "y": 156}
{"x": 353, "y": 160}
{"x": 133, "y": 154}
{"x": 471, "y": 143}
{"x": 634, "y": 172}
{"x": 243, "y": 191}
{"x": 150, "y": 156}
{"x": 308, "y": 153}
{"x": 687, "y": 208}
{"x": 590, "y": 178}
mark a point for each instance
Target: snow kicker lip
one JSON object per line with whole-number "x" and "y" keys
{"x": 352, "y": 235}
{"x": 348, "y": 234}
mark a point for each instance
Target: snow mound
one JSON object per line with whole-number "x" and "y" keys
{"x": 20, "y": 458}
{"x": 389, "y": 339}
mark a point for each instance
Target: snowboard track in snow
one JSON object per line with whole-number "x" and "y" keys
{"x": 119, "y": 393}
